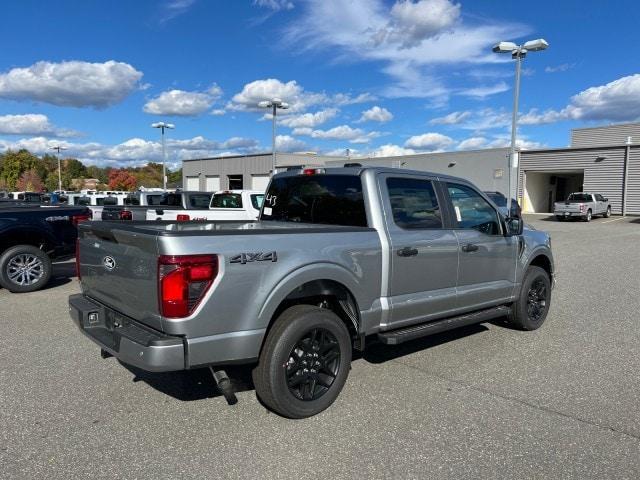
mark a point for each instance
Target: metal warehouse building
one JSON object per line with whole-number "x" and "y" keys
{"x": 603, "y": 160}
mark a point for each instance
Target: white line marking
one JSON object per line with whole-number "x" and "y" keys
{"x": 614, "y": 220}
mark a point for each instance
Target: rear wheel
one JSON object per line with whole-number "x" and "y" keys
{"x": 607, "y": 214}
{"x": 530, "y": 310}
{"x": 304, "y": 363}
{"x": 24, "y": 268}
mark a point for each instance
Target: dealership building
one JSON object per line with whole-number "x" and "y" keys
{"x": 603, "y": 160}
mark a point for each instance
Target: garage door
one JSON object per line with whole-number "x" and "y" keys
{"x": 260, "y": 182}
{"x": 212, "y": 183}
{"x": 193, "y": 183}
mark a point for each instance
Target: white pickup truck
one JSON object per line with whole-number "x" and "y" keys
{"x": 236, "y": 205}
{"x": 582, "y": 205}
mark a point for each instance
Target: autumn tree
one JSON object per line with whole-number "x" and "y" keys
{"x": 29, "y": 181}
{"x": 121, "y": 179}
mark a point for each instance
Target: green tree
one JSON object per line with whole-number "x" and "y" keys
{"x": 15, "y": 163}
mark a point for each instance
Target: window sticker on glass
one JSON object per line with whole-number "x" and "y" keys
{"x": 458, "y": 216}
{"x": 267, "y": 211}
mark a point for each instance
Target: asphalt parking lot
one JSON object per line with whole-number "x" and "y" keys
{"x": 481, "y": 402}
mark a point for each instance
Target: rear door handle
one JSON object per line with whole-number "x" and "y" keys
{"x": 469, "y": 247}
{"x": 408, "y": 252}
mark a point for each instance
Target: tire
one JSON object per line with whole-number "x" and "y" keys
{"x": 36, "y": 265}
{"x": 588, "y": 216}
{"x": 607, "y": 214}
{"x": 560, "y": 218}
{"x": 290, "y": 342}
{"x": 530, "y": 310}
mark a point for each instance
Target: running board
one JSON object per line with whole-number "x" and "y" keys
{"x": 394, "y": 337}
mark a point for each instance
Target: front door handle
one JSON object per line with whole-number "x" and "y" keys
{"x": 469, "y": 247}
{"x": 408, "y": 252}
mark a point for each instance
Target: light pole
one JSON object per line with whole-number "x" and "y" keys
{"x": 274, "y": 104}
{"x": 162, "y": 126}
{"x": 57, "y": 148}
{"x": 518, "y": 52}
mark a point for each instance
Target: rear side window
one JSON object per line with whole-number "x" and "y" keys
{"x": 152, "y": 200}
{"x": 110, "y": 201}
{"x": 472, "y": 210}
{"x": 414, "y": 203}
{"x": 257, "y": 201}
{"x": 323, "y": 199}
{"x": 199, "y": 200}
{"x": 226, "y": 200}
{"x": 132, "y": 200}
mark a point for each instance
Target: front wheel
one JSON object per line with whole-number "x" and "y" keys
{"x": 607, "y": 214}
{"x": 304, "y": 363}
{"x": 530, "y": 310}
{"x": 588, "y": 216}
{"x": 24, "y": 268}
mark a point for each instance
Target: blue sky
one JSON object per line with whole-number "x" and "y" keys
{"x": 375, "y": 76}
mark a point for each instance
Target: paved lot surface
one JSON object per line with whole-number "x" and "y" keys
{"x": 484, "y": 402}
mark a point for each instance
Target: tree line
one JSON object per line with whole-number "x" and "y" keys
{"x": 22, "y": 170}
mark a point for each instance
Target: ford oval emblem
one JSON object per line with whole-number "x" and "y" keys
{"x": 109, "y": 262}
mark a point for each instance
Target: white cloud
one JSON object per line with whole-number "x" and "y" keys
{"x": 472, "y": 143}
{"x": 136, "y": 151}
{"x": 174, "y": 8}
{"x": 559, "y": 68}
{"x": 454, "y": 118}
{"x": 218, "y": 112}
{"x": 286, "y": 143}
{"x": 410, "y": 40}
{"x": 483, "y": 91}
{"x": 376, "y": 114}
{"x": 618, "y": 101}
{"x": 342, "y": 132}
{"x": 71, "y": 84}
{"x": 309, "y": 120}
{"x": 295, "y": 95}
{"x": 183, "y": 103}
{"x": 31, "y": 124}
{"x": 429, "y": 141}
{"x": 274, "y": 5}
{"x": 389, "y": 150}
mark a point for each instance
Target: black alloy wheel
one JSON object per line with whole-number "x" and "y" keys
{"x": 537, "y": 300}
{"x": 313, "y": 365}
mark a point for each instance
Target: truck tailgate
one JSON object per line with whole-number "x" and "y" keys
{"x": 119, "y": 269}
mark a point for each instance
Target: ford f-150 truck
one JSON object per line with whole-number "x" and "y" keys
{"x": 135, "y": 206}
{"x": 339, "y": 256}
{"x": 31, "y": 237}
{"x": 582, "y": 205}
{"x": 236, "y": 205}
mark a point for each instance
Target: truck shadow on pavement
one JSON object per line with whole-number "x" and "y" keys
{"x": 192, "y": 385}
{"x": 62, "y": 274}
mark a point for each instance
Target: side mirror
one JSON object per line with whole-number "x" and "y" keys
{"x": 515, "y": 226}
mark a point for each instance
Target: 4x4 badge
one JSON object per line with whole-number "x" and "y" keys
{"x": 244, "y": 258}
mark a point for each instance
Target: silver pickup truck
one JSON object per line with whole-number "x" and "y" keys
{"x": 583, "y": 206}
{"x": 339, "y": 256}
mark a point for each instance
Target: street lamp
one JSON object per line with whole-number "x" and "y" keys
{"x": 518, "y": 52}
{"x": 274, "y": 104}
{"x": 57, "y": 148}
{"x": 162, "y": 126}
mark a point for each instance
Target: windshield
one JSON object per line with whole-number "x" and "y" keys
{"x": 498, "y": 199}
{"x": 579, "y": 197}
{"x": 226, "y": 200}
{"x": 324, "y": 199}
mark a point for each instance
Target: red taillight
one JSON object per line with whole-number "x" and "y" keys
{"x": 183, "y": 281}
{"x": 76, "y": 219}
{"x": 183, "y": 217}
{"x": 78, "y": 259}
{"x": 126, "y": 215}
{"x": 313, "y": 171}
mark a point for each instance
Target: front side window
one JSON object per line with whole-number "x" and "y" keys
{"x": 414, "y": 203}
{"x": 472, "y": 211}
{"x": 226, "y": 200}
{"x": 599, "y": 197}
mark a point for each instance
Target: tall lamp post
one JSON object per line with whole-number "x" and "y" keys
{"x": 162, "y": 126}
{"x": 274, "y": 104}
{"x": 57, "y": 148}
{"x": 518, "y": 52}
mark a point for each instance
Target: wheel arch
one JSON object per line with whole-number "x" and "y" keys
{"x": 543, "y": 261}
{"x": 26, "y": 236}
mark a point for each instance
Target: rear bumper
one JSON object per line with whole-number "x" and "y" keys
{"x": 570, "y": 214}
{"x": 126, "y": 339}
